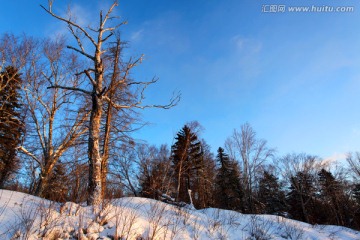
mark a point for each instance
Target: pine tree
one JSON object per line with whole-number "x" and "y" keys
{"x": 300, "y": 197}
{"x": 205, "y": 173}
{"x": 270, "y": 194}
{"x": 186, "y": 153}
{"x": 331, "y": 196}
{"x": 57, "y": 189}
{"x": 228, "y": 189}
{"x": 11, "y": 124}
{"x": 356, "y": 193}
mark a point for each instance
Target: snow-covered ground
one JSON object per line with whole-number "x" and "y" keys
{"x": 27, "y": 217}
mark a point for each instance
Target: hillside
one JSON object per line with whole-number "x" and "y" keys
{"x": 27, "y": 217}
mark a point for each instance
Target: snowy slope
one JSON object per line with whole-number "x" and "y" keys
{"x": 26, "y": 217}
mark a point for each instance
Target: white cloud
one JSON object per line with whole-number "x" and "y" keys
{"x": 336, "y": 157}
{"x": 82, "y": 15}
{"x": 137, "y": 35}
{"x": 162, "y": 32}
{"x": 247, "y": 45}
{"x": 246, "y": 56}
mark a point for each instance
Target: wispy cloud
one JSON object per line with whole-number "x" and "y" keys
{"x": 246, "y": 45}
{"x": 137, "y": 35}
{"x": 336, "y": 157}
{"x": 246, "y": 55}
{"x": 163, "y": 31}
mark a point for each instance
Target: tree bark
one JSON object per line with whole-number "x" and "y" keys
{"x": 95, "y": 183}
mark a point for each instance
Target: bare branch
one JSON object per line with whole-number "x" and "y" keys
{"x": 81, "y": 52}
{"x": 76, "y": 37}
{"x": 70, "y": 88}
{"x": 173, "y": 102}
{"x": 25, "y": 151}
{"x": 106, "y": 38}
{"x": 116, "y": 27}
{"x": 90, "y": 78}
{"x": 154, "y": 80}
{"x": 70, "y": 23}
{"x": 73, "y": 134}
{"x": 102, "y": 22}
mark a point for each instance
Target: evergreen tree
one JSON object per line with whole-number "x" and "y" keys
{"x": 11, "y": 124}
{"x": 205, "y": 173}
{"x": 186, "y": 159}
{"x": 270, "y": 195}
{"x": 300, "y": 198}
{"x": 57, "y": 189}
{"x": 356, "y": 193}
{"x": 228, "y": 189}
{"x": 331, "y": 196}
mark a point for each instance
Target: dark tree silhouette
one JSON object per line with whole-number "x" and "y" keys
{"x": 270, "y": 195}
{"x": 11, "y": 122}
{"x": 332, "y": 196}
{"x": 301, "y": 196}
{"x": 229, "y": 192}
{"x": 186, "y": 153}
{"x": 57, "y": 189}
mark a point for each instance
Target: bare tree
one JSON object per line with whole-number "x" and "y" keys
{"x": 291, "y": 164}
{"x": 92, "y": 43}
{"x": 54, "y": 122}
{"x": 117, "y": 123}
{"x": 300, "y": 171}
{"x": 15, "y": 52}
{"x": 77, "y": 173}
{"x": 122, "y": 170}
{"x": 155, "y": 170}
{"x": 354, "y": 161}
{"x": 252, "y": 153}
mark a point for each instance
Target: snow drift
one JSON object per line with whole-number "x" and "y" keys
{"x": 24, "y": 216}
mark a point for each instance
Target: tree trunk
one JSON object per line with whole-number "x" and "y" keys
{"x": 95, "y": 174}
{"x": 41, "y": 184}
{"x": 109, "y": 119}
{"x": 44, "y": 177}
{"x": 303, "y": 209}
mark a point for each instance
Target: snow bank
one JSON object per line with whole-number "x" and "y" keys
{"x": 27, "y": 217}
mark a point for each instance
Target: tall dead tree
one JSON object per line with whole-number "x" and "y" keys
{"x": 252, "y": 153}
{"x": 93, "y": 43}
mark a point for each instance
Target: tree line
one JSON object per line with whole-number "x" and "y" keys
{"x": 66, "y": 117}
{"x": 247, "y": 176}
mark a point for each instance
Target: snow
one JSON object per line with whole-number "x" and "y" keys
{"x": 27, "y": 217}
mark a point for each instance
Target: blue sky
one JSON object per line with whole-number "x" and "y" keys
{"x": 295, "y": 77}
